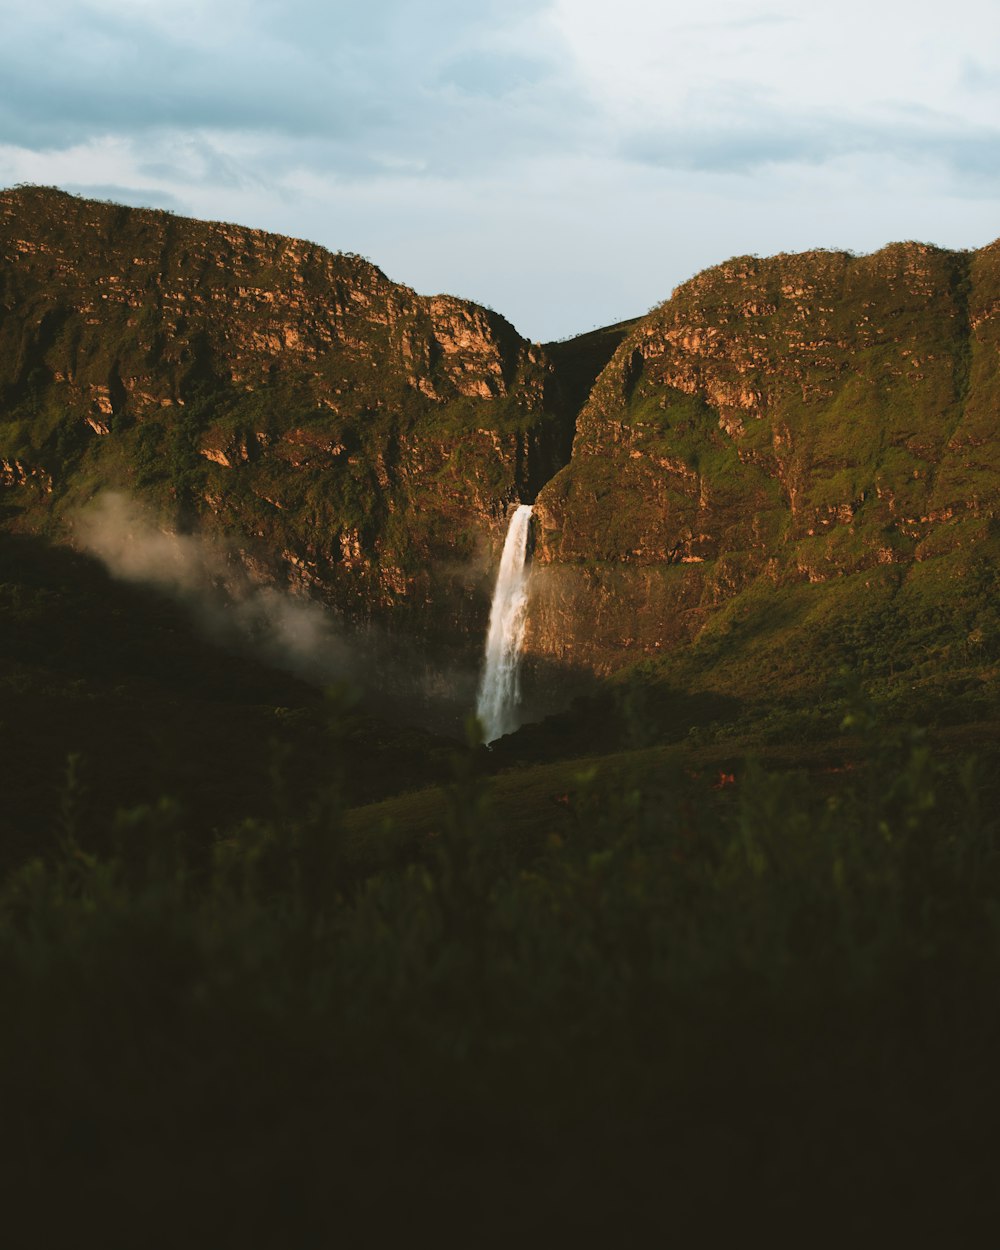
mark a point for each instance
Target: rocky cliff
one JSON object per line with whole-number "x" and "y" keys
{"x": 817, "y": 420}
{"x": 339, "y": 430}
{"x": 785, "y": 448}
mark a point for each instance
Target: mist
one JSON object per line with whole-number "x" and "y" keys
{"x": 293, "y": 633}
{"x": 396, "y": 676}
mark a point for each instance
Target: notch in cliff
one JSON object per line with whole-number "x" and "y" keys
{"x": 580, "y": 360}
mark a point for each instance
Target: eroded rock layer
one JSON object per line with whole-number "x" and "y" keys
{"x": 340, "y": 430}
{"x": 777, "y": 428}
{"x": 799, "y": 419}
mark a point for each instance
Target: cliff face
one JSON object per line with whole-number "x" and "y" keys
{"x": 801, "y": 419}
{"x": 781, "y": 441}
{"x": 341, "y": 430}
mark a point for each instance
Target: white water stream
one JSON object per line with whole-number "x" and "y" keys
{"x": 500, "y": 693}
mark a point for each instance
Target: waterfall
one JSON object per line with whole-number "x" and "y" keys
{"x": 500, "y": 692}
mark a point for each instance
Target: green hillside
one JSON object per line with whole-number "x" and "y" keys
{"x": 342, "y": 434}
{"x": 789, "y": 467}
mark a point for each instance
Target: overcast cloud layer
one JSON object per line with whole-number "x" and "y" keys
{"x": 566, "y": 161}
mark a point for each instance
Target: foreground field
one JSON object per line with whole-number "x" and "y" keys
{"x": 274, "y": 973}
{"x": 612, "y": 994}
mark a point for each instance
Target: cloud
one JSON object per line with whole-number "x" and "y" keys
{"x": 521, "y": 152}
{"x": 494, "y": 76}
{"x": 340, "y": 78}
{"x": 758, "y": 136}
{"x": 135, "y": 197}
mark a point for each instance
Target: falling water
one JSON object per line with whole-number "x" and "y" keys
{"x": 500, "y": 692}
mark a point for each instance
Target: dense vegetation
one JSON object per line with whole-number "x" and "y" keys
{"x": 676, "y": 996}
{"x": 664, "y": 986}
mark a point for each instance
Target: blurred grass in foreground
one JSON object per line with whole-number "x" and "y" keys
{"x": 668, "y": 996}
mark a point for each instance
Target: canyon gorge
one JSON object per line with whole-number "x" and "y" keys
{"x": 783, "y": 447}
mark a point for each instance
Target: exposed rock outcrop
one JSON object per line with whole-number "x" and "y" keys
{"x": 776, "y": 423}
{"x": 799, "y": 418}
{"x": 295, "y": 400}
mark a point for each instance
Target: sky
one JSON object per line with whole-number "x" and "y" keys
{"x": 566, "y": 162}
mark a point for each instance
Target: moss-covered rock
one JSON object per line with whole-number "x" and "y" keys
{"x": 805, "y": 423}
{"x": 337, "y": 428}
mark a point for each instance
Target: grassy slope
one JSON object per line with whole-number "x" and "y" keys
{"x": 665, "y": 986}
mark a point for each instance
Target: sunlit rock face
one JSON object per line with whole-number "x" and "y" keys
{"x": 797, "y": 419}
{"x": 336, "y": 426}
